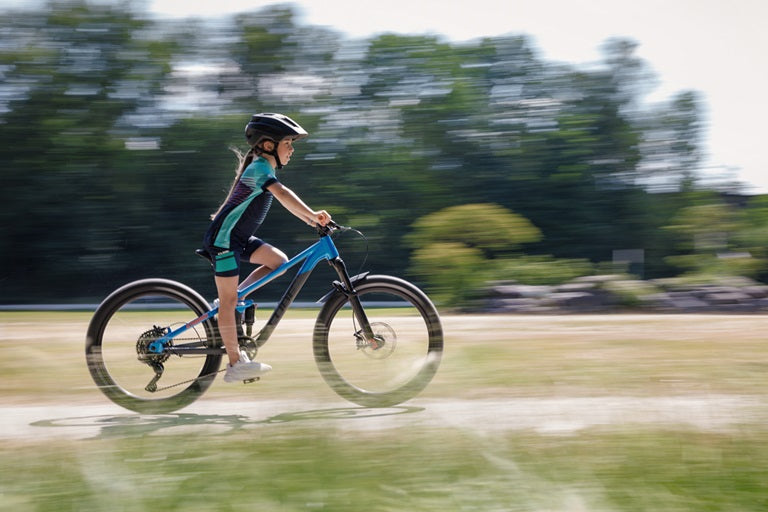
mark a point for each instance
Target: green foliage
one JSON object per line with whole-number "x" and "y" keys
{"x": 712, "y": 266}
{"x": 718, "y": 239}
{"x": 116, "y": 129}
{"x": 707, "y": 226}
{"x": 456, "y": 247}
{"x": 452, "y": 270}
{"x": 542, "y": 270}
{"x": 629, "y": 292}
{"x": 489, "y": 227}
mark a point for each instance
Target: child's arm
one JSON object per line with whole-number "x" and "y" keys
{"x": 296, "y": 206}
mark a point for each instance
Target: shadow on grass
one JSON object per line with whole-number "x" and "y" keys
{"x": 138, "y": 425}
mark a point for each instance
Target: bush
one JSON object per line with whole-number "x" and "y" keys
{"x": 630, "y": 292}
{"x": 489, "y": 227}
{"x": 542, "y": 270}
{"x": 452, "y": 271}
{"x": 710, "y": 266}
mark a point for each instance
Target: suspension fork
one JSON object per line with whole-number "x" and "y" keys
{"x": 347, "y": 288}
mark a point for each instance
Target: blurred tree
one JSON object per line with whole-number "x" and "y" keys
{"x": 265, "y": 45}
{"x": 754, "y": 235}
{"x": 672, "y": 144}
{"x": 116, "y": 131}
{"x": 492, "y": 229}
{"x": 72, "y": 72}
{"x": 455, "y": 246}
{"x": 453, "y": 271}
{"x": 711, "y": 239}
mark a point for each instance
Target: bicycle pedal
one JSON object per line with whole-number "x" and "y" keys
{"x": 248, "y": 381}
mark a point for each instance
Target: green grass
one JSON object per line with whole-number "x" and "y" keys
{"x": 290, "y": 468}
{"x": 298, "y": 461}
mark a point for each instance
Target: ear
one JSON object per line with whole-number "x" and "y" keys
{"x": 268, "y": 145}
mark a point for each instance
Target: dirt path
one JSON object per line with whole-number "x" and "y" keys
{"x": 556, "y": 375}
{"x": 557, "y": 416}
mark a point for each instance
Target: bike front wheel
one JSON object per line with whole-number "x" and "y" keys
{"x": 117, "y": 347}
{"x": 403, "y": 355}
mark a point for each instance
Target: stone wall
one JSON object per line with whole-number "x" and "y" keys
{"x": 618, "y": 293}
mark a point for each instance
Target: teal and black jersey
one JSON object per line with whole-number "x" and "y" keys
{"x": 245, "y": 209}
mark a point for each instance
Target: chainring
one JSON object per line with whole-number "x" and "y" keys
{"x": 142, "y": 346}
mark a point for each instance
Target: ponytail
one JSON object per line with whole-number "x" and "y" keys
{"x": 243, "y": 161}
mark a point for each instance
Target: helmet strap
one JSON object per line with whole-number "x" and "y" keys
{"x": 260, "y": 150}
{"x": 277, "y": 159}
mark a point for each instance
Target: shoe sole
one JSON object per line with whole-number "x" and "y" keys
{"x": 247, "y": 380}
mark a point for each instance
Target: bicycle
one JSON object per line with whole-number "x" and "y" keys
{"x": 377, "y": 339}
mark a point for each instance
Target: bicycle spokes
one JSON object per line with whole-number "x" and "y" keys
{"x": 122, "y": 347}
{"x": 394, "y": 361}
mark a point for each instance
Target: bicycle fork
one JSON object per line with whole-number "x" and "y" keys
{"x": 346, "y": 287}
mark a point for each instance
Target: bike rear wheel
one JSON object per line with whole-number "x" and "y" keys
{"x": 117, "y": 347}
{"x": 402, "y": 358}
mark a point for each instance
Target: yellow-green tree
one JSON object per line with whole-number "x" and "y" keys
{"x": 456, "y": 247}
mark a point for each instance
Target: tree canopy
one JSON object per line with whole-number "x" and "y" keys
{"x": 116, "y": 131}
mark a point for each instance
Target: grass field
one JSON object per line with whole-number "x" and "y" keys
{"x": 549, "y": 413}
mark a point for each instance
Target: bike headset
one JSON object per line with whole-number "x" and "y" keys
{"x": 272, "y": 127}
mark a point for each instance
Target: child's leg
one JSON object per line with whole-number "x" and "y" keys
{"x": 270, "y": 258}
{"x": 227, "y": 289}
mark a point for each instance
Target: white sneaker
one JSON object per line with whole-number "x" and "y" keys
{"x": 245, "y": 369}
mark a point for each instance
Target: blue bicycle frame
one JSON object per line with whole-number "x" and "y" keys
{"x": 323, "y": 249}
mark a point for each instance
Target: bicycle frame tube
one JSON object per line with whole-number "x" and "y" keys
{"x": 323, "y": 249}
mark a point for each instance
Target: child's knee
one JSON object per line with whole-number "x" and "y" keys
{"x": 277, "y": 258}
{"x": 281, "y": 259}
{"x": 227, "y": 301}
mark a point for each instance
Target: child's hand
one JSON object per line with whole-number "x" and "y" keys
{"x": 322, "y": 217}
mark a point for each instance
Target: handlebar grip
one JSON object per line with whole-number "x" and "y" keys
{"x": 329, "y": 228}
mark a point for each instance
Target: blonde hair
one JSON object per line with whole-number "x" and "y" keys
{"x": 243, "y": 161}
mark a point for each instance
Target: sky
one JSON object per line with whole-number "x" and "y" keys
{"x": 711, "y": 46}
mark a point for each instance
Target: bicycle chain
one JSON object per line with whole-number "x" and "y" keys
{"x": 188, "y": 381}
{"x": 164, "y": 388}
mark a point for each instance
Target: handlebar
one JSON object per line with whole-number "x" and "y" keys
{"x": 330, "y": 228}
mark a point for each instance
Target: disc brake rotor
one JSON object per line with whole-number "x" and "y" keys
{"x": 383, "y": 343}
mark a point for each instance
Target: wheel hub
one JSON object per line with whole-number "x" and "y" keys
{"x": 142, "y": 346}
{"x": 383, "y": 343}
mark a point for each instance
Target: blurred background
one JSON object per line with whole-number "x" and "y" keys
{"x": 464, "y": 162}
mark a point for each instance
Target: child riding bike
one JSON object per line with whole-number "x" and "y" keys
{"x": 231, "y": 238}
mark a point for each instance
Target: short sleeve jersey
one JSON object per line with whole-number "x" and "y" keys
{"x": 245, "y": 209}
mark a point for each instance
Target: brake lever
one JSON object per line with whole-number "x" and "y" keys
{"x": 331, "y": 227}
{"x": 328, "y": 228}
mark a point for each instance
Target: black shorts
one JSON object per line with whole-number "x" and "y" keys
{"x": 226, "y": 262}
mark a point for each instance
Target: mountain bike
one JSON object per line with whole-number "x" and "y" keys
{"x": 153, "y": 345}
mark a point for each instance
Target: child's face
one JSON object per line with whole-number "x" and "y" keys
{"x": 285, "y": 150}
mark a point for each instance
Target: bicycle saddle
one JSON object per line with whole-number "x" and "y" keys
{"x": 204, "y": 254}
